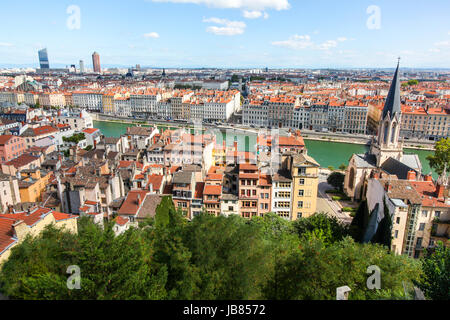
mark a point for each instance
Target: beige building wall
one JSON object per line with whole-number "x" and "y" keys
{"x": 305, "y": 184}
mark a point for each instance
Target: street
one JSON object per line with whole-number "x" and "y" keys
{"x": 324, "y": 202}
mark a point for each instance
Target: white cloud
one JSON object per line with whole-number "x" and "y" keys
{"x": 298, "y": 42}
{"x": 258, "y": 5}
{"x": 442, "y": 44}
{"x": 255, "y": 14}
{"x": 252, "y": 14}
{"x": 5, "y": 44}
{"x": 434, "y": 50}
{"x": 295, "y": 42}
{"x": 328, "y": 44}
{"x": 153, "y": 35}
{"x": 227, "y": 28}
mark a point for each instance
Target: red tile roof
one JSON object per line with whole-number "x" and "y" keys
{"x": 5, "y": 138}
{"x": 90, "y": 130}
{"x": 213, "y": 190}
{"x": 247, "y": 166}
{"x": 131, "y": 206}
{"x": 21, "y": 161}
{"x": 427, "y": 190}
{"x": 121, "y": 221}
{"x": 6, "y": 233}
{"x": 156, "y": 180}
{"x": 44, "y": 130}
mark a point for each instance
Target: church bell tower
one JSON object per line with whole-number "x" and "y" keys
{"x": 387, "y": 144}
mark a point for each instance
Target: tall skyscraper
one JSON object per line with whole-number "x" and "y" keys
{"x": 43, "y": 59}
{"x": 81, "y": 66}
{"x": 96, "y": 62}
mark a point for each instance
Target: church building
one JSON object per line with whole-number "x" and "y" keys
{"x": 386, "y": 158}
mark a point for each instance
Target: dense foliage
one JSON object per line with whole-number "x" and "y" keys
{"x": 435, "y": 280}
{"x": 440, "y": 160}
{"x": 208, "y": 258}
{"x": 77, "y": 137}
{"x": 336, "y": 179}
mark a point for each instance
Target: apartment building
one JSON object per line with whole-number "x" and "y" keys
{"x": 419, "y": 210}
{"x": 52, "y": 99}
{"x": 76, "y": 119}
{"x": 264, "y": 193}
{"x": 425, "y": 122}
{"x": 248, "y": 190}
{"x": 282, "y": 193}
{"x": 90, "y": 100}
{"x": 10, "y": 194}
{"x": 305, "y": 181}
{"x": 183, "y": 191}
{"x": 355, "y": 118}
{"x": 11, "y": 147}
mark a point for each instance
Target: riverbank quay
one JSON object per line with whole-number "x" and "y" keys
{"x": 362, "y": 140}
{"x": 306, "y": 134}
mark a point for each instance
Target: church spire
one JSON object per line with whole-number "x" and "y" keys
{"x": 392, "y": 104}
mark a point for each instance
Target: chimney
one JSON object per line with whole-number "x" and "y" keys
{"x": 411, "y": 175}
{"x": 388, "y": 186}
{"x": 440, "y": 188}
{"x": 138, "y": 199}
{"x": 428, "y": 177}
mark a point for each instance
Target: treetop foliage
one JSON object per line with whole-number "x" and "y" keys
{"x": 168, "y": 257}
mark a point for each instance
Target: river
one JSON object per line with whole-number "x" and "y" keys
{"x": 326, "y": 153}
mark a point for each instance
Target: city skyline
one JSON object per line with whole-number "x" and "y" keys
{"x": 243, "y": 34}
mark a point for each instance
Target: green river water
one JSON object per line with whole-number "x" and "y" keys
{"x": 324, "y": 152}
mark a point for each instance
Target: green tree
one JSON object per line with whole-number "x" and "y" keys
{"x": 441, "y": 157}
{"x": 336, "y": 179}
{"x": 328, "y": 229}
{"x": 169, "y": 253}
{"x": 435, "y": 279}
{"x": 343, "y": 263}
{"x": 111, "y": 267}
{"x": 230, "y": 256}
{"x": 342, "y": 167}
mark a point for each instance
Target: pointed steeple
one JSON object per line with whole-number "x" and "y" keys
{"x": 392, "y": 104}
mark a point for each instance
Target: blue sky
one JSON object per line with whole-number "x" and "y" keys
{"x": 228, "y": 33}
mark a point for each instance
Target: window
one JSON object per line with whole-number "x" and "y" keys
{"x": 300, "y": 204}
{"x": 301, "y": 171}
{"x": 437, "y": 214}
{"x": 422, "y": 227}
{"x": 302, "y": 182}
{"x": 300, "y": 193}
{"x": 424, "y": 213}
{"x": 299, "y": 214}
{"x": 398, "y": 220}
{"x": 396, "y": 234}
{"x": 419, "y": 242}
